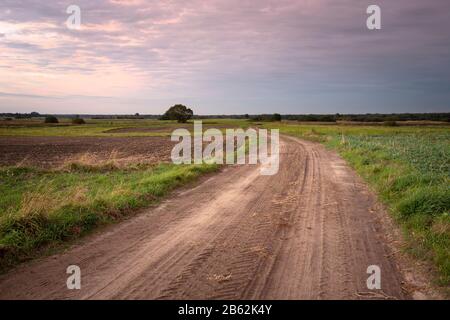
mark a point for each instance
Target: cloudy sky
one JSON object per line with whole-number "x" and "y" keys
{"x": 225, "y": 56}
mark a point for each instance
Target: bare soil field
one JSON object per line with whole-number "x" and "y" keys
{"x": 50, "y": 152}
{"x": 309, "y": 232}
{"x": 166, "y": 129}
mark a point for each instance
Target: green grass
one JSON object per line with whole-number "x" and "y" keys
{"x": 91, "y": 128}
{"x": 39, "y": 208}
{"x": 101, "y": 128}
{"x": 409, "y": 167}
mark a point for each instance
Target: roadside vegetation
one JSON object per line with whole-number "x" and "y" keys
{"x": 409, "y": 167}
{"x": 45, "y": 207}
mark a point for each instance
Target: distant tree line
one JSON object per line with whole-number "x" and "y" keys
{"x": 17, "y": 115}
{"x": 368, "y": 117}
{"x": 221, "y": 116}
{"x": 266, "y": 117}
{"x": 20, "y": 115}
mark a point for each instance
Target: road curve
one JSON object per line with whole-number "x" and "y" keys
{"x": 308, "y": 232}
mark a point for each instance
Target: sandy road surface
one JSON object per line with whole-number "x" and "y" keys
{"x": 309, "y": 232}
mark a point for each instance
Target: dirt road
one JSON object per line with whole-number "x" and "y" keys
{"x": 309, "y": 232}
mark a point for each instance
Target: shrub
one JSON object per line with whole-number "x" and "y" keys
{"x": 78, "y": 121}
{"x": 390, "y": 123}
{"x": 51, "y": 119}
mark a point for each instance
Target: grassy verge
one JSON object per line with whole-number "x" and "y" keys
{"x": 40, "y": 208}
{"x": 410, "y": 170}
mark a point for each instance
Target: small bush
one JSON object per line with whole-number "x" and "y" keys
{"x": 390, "y": 123}
{"x": 51, "y": 119}
{"x": 78, "y": 121}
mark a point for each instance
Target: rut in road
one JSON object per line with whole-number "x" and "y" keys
{"x": 308, "y": 232}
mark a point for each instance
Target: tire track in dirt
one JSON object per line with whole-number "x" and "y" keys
{"x": 309, "y": 232}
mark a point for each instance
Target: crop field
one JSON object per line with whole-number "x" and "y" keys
{"x": 409, "y": 168}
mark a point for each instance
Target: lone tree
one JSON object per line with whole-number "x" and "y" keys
{"x": 178, "y": 112}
